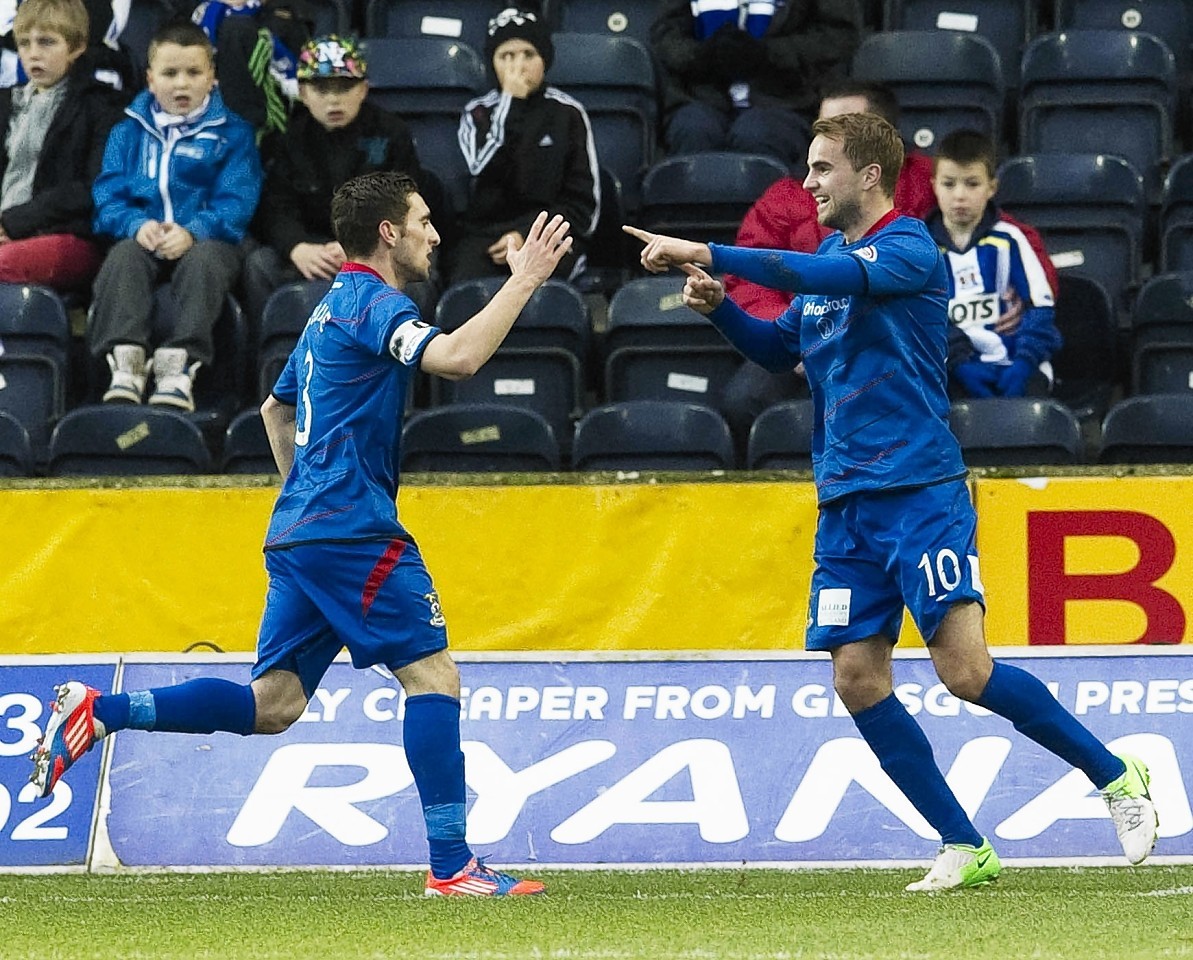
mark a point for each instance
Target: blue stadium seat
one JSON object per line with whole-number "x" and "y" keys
{"x": 1086, "y": 366}
{"x": 1171, "y": 20}
{"x": 703, "y": 196}
{"x": 35, "y": 337}
{"x": 781, "y": 437}
{"x": 1155, "y": 428}
{"x": 943, "y": 81}
{"x": 652, "y": 435}
{"x": 282, "y": 322}
{"x": 1015, "y": 431}
{"x": 613, "y": 77}
{"x": 619, "y": 18}
{"x": 658, "y": 349}
{"x": 478, "y": 438}
{"x": 246, "y": 445}
{"x": 126, "y": 440}
{"x": 331, "y": 16}
{"x": 1089, "y": 208}
{"x": 16, "y": 453}
{"x": 540, "y": 365}
{"x": 1162, "y": 335}
{"x": 1176, "y": 216}
{"x": 609, "y": 260}
{"x": 1078, "y": 85}
{"x": 427, "y": 80}
{"x": 1006, "y": 24}
{"x": 465, "y": 21}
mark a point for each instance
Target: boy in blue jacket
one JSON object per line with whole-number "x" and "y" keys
{"x": 991, "y": 266}
{"x": 180, "y": 182}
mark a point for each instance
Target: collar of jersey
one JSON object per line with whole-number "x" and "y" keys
{"x": 352, "y": 267}
{"x": 881, "y": 222}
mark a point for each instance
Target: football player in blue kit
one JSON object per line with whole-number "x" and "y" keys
{"x": 897, "y": 526}
{"x": 343, "y": 571}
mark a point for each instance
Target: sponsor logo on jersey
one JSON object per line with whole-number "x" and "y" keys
{"x": 974, "y": 311}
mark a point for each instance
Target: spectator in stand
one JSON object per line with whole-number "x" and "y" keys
{"x": 180, "y": 181}
{"x": 991, "y": 268}
{"x": 334, "y": 135}
{"x": 784, "y": 218}
{"x": 529, "y": 147}
{"x": 55, "y": 127}
{"x": 103, "y": 56}
{"x": 746, "y": 76}
{"x": 256, "y": 44}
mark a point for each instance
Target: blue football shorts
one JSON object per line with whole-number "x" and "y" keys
{"x": 876, "y": 553}
{"x": 374, "y": 597}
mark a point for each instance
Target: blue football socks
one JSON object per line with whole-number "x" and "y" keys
{"x": 202, "y": 705}
{"x": 1021, "y": 698}
{"x": 431, "y": 734}
{"x": 906, "y": 755}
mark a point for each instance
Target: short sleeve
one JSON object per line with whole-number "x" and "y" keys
{"x": 286, "y": 388}
{"x": 391, "y": 326}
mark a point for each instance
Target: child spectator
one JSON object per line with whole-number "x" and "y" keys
{"x": 55, "y": 130}
{"x": 743, "y": 76}
{"x": 529, "y": 147}
{"x": 991, "y": 267}
{"x": 335, "y": 134}
{"x": 180, "y": 181}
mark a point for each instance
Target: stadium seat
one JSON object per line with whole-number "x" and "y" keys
{"x": 1015, "y": 431}
{"x": 331, "y": 16}
{"x": 1086, "y": 366}
{"x": 703, "y": 196}
{"x": 1176, "y": 217}
{"x": 144, "y": 19}
{"x": 427, "y": 80}
{"x": 478, "y": 437}
{"x": 246, "y": 445}
{"x": 781, "y": 437}
{"x": 282, "y": 322}
{"x": 1162, "y": 335}
{"x": 944, "y": 81}
{"x": 658, "y": 349}
{"x": 652, "y": 435}
{"x": 16, "y": 453}
{"x": 1170, "y": 20}
{"x": 618, "y": 18}
{"x": 1089, "y": 208}
{"x": 613, "y": 77}
{"x": 126, "y": 440}
{"x": 465, "y": 21}
{"x": 1077, "y": 85}
{"x": 34, "y": 353}
{"x": 1156, "y": 428}
{"x": 609, "y": 260}
{"x": 540, "y": 365}
{"x": 1005, "y": 24}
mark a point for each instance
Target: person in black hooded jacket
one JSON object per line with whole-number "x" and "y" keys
{"x": 333, "y": 135}
{"x": 55, "y": 129}
{"x": 529, "y": 147}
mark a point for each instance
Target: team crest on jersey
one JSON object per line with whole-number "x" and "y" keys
{"x": 869, "y": 254}
{"x": 437, "y": 618}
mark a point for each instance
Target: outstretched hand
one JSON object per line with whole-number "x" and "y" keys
{"x": 662, "y": 251}
{"x": 546, "y": 243}
{"x": 701, "y": 292}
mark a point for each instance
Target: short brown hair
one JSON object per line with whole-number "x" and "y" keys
{"x": 66, "y": 17}
{"x": 866, "y": 138}
{"x": 964, "y": 147}
{"x": 360, "y": 204}
{"x": 182, "y": 34}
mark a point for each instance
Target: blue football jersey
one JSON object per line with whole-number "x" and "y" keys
{"x": 348, "y": 379}
{"x": 876, "y": 365}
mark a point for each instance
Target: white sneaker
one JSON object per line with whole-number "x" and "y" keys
{"x": 174, "y": 380}
{"x": 959, "y": 865}
{"x": 1131, "y": 808}
{"x": 129, "y": 373}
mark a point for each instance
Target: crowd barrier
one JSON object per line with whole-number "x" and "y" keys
{"x": 615, "y": 760}
{"x": 587, "y": 566}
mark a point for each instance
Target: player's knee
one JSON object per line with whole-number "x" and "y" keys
{"x": 859, "y": 689}
{"x": 276, "y": 715}
{"x": 967, "y": 680}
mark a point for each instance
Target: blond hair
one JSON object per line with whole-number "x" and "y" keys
{"x": 66, "y": 17}
{"x": 866, "y": 138}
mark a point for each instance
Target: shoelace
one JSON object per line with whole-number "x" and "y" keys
{"x": 495, "y": 875}
{"x": 1130, "y": 808}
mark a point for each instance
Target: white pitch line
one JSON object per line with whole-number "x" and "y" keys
{"x": 1170, "y": 892}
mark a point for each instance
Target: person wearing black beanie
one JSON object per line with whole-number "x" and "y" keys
{"x": 529, "y": 147}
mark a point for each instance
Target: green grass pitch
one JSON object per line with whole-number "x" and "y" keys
{"x": 748, "y": 914}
